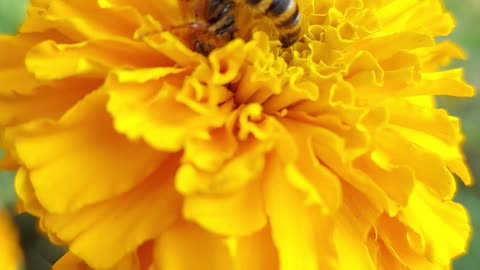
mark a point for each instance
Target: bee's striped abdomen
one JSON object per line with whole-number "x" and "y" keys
{"x": 284, "y": 14}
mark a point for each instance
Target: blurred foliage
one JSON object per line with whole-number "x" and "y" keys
{"x": 11, "y": 14}
{"x": 40, "y": 254}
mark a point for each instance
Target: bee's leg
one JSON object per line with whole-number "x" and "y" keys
{"x": 202, "y": 47}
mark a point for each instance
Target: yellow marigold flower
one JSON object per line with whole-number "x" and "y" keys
{"x": 138, "y": 153}
{"x": 10, "y": 252}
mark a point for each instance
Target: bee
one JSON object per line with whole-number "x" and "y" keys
{"x": 215, "y": 21}
{"x": 285, "y": 16}
{"x": 214, "y": 24}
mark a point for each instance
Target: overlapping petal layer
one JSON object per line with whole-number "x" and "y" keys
{"x": 138, "y": 153}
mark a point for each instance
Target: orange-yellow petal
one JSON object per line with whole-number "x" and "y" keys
{"x": 84, "y": 134}
{"x": 122, "y": 223}
{"x": 300, "y": 231}
{"x": 10, "y": 251}
{"x": 187, "y": 246}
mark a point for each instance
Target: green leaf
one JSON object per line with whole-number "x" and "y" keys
{"x": 12, "y": 13}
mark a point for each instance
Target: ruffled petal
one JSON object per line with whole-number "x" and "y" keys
{"x": 127, "y": 220}
{"x": 82, "y": 135}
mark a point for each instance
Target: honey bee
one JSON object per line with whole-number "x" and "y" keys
{"x": 285, "y": 16}
{"x": 216, "y": 24}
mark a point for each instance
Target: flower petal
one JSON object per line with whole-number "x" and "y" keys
{"x": 186, "y": 246}
{"x": 11, "y": 253}
{"x": 123, "y": 223}
{"x": 83, "y": 134}
{"x": 300, "y": 232}
{"x": 236, "y": 214}
{"x": 142, "y": 109}
{"x": 256, "y": 251}
{"x": 429, "y": 217}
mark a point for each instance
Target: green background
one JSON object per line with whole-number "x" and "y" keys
{"x": 40, "y": 254}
